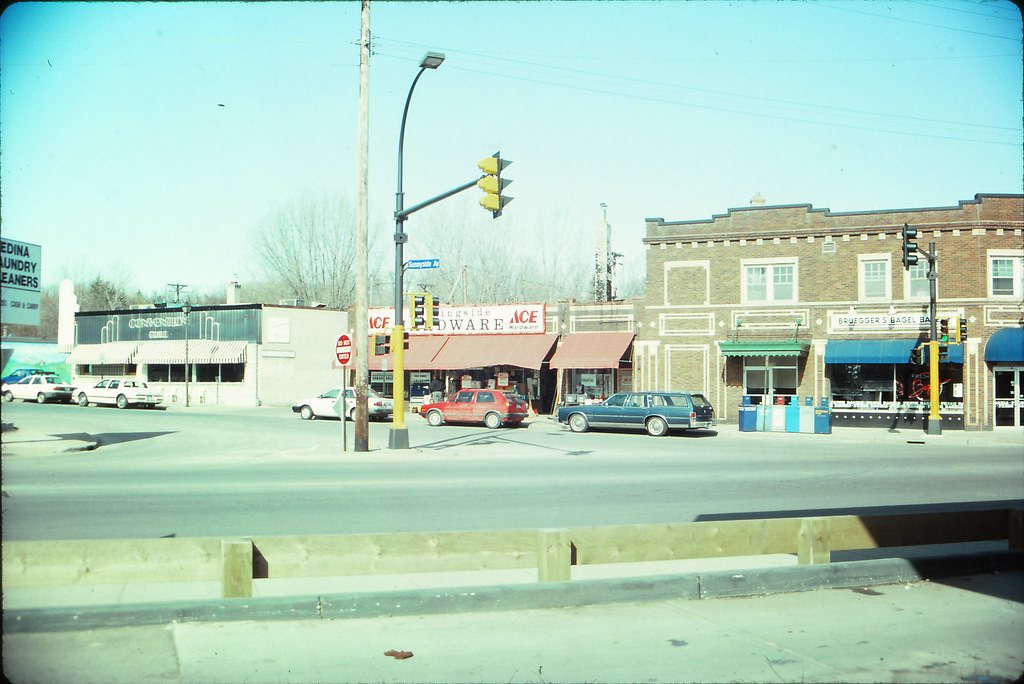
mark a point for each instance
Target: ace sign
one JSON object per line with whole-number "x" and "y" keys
{"x": 344, "y": 350}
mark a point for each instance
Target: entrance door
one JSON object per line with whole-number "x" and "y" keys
{"x": 1009, "y": 397}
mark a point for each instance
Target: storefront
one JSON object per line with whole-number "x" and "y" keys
{"x": 593, "y": 365}
{"x": 238, "y": 354}
{"x": 875, "y": 384}
{"x": 1004, "y": 354}
{"x": 770, "y": 372}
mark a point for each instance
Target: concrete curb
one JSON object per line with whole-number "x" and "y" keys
{"x": 686, "y": 586}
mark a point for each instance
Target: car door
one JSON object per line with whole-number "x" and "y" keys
{"x": 484, "y": 402}
{"x": 460, "y": 407}
{"x": 108, "y": 395}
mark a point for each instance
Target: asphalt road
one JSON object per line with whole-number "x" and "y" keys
{"x": 214, "y": 471}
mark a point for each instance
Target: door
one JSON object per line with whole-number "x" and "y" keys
{"x": 1009, "y": 397}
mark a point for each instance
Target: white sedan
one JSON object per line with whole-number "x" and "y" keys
{"x": 121, "y": 393}
{"x": 326, "y": 405}
{"x": 38, "y": 388}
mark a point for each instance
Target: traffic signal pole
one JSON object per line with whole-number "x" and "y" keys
{"x": 934, "y": 426}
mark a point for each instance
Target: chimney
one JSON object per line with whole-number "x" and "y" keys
{"x": 234, "y": 288}
{"x": 757, "y": 200}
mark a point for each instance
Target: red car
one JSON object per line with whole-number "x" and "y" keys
{"x": 493, "y": 408}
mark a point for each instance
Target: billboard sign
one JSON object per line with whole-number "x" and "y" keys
{"x": 20, "y": 278}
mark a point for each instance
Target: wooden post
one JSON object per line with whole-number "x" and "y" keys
{"x": 236, "y": 557}
{"x": 813, "y": 544}
{"x": 1016, "y": 535}
{"x": 553, "y": 555}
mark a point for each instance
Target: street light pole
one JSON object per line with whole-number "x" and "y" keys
{"x": 185, "y": 308}
{"x": 398, "y": 438}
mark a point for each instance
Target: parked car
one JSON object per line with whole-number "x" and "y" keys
{"x": 324, "y": 406}
{"x": 656, "y": 412}
{"x": 493, "y": 408}
{"x": 17, "y": 375}
{"x": 119, "y": 392}
{"x": 38, "y": 388}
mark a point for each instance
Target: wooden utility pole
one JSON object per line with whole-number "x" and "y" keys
{"x": 362, "y": 383}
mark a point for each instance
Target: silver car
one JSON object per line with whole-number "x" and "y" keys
{"x": 326, "y": 405}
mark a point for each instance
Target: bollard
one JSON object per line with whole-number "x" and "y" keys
{"x": 236, "y": 557}
{"x": 553, "y": 555}
{"x": 813, "y": 544}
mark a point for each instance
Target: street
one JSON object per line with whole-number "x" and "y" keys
{"x": 212, "y": 471}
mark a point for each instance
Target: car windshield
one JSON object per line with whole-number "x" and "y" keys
{"x": 54, "y": 380}
{"x": 512, "y": 396}
{"x": 699, "y": 400}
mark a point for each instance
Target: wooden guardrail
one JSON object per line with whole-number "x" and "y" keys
{"x": 237, "y": 562}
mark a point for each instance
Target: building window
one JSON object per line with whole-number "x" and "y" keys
{"x": 768, "y": 282}
{"x": 201, "y": 372}
{"x": 916, "y": 280}
{"x": 766, "y": 377}
{"x": 1006, "y": 275}
{"x": 874, "y": 277}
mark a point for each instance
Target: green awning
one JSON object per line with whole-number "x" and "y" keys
{"x": 764, "y": 348}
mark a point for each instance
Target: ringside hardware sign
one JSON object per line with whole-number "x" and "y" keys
{"x": 20, "y": 277}
{"x": 471, "y": 320}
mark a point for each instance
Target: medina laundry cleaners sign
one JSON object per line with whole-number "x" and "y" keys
{"x": 20, "y": 278}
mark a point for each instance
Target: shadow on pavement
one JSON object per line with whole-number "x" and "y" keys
{"x": 107, "y": 438}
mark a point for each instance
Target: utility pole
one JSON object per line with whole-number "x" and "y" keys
{"x": 934, "y": 419}
{"x": 178, "y": 287}
{"x": 362, "y": 384}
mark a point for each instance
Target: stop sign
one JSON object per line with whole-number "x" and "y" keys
{"x": 344, "y": 350}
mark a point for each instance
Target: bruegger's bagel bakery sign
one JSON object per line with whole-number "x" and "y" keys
{"x": 470, "y": 320}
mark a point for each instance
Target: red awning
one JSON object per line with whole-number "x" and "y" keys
{"x": 591, "y": 350}
{"x": 419, "y": 356}
{"x": 478, "y": 351}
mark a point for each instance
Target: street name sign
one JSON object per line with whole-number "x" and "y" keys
{"x": 423, "y": 263}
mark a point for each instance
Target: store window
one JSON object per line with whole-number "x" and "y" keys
{"x": 201, "y": 372}
{"x": 874, "y": 277}
{"x": 1006, "y": 275}
{"x": 875, "y": 385}
{"x": 767, "y": 377}
{"x": 769, "y": 281}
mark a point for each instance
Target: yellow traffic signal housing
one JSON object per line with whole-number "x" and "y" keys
{"x": 944, "y": 330}
{"x": 381, "y": 345}
{"x": 493, "y": 184}
{"x": 416, "y": 306}
{"x": 433, "y": 312}
{"x": 961, "y": 331}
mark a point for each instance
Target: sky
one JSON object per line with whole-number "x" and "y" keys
{"x": 146, "y": 141}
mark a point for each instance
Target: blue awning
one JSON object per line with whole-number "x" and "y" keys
{"x": 956, "y": 354}
{"x": 1006, "y": 346}
{"x": 869, "y": 351}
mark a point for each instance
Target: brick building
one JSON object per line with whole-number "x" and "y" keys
{"x": 773, "y": 302}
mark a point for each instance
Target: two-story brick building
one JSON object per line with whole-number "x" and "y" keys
{"x": 772, "y": 302}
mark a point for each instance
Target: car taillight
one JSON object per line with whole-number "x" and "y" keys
{"x": 692, "y": 415}
{"x": 378, "y": 403}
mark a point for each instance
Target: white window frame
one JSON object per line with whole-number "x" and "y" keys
{"x": 907, "y": 281}
{"x": 862, "y": 260}
{"x": 792, "y": 262}
{"x": 1017, "y": 256}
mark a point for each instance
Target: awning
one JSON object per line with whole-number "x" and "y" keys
{"x": 479, "y": 351}
{"x": 109, "y": 352}
{"x": 955, "y": 351}
{"x": 870, "y": 351}
{"x": 419, "y": 356}
{"x": 1006, "y": 346}
{"x": 591, "y": 350}
{"x": 199, "y": 351}
{"x": 764, "y": 348}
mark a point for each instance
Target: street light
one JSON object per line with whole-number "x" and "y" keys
{"x": 185, "y": 308}
{"x": 398, "y": 438}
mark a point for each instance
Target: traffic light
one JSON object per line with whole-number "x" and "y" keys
{"x": 944, "y": 330}
{"x": 909, "y": 247}
{"x": 961, "y": 330}
{"x": 381, "y": 345}
{"x": 493, "y": 183}
{"x": 917, "y": 355}
{"x": 416, "y": 305}
{"x": 433, "y": 312}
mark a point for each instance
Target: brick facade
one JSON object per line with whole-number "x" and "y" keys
{"x": 825, "y": 276}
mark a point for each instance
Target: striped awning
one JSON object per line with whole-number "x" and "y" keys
{"x": 777, "y": 348}
{"x": 109, "y": 352}
{"x": 199, "y": 351}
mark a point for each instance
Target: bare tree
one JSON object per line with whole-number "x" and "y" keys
{"x": 308, "y": 244}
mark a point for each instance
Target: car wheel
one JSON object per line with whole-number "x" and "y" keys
{"x": 122, "y": 401}
{"x": 492, "y": 420}
{"x": 435, "y": 418}
{"x": 40, "y": 398}
{"x": 578, "y": 423}
{"x": 8, "y": 396}
{"x": 656, "y": 426}
{"x": 352, "y": 414}
{"x": 83, "y": 400}
{"x": 306, "y": 413}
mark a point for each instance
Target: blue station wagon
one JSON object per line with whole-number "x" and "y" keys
{"x": 656, "y": 412}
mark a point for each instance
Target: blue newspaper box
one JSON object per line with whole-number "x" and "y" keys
{"x": 748, "y": 418}
{"x": 822, "y": 421}
{"x": 793, "y": 415}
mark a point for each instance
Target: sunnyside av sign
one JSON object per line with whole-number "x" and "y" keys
{"x": 20, "y": 277}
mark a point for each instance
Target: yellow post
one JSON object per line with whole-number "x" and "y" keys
{"x": 398, "y": 382}
{"x": 934, "y": 420}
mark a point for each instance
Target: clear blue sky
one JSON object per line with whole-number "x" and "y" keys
{"x": 117, "y": 155}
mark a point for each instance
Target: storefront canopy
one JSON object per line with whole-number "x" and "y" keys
{"x": 480, "y": 351}
{"x": 199, "y": 351}
{"x": 108, "y": 352}
{"x": 764, "y": 348}
{"x": 419, "y": 356}
{"x": 591, "y": 350}
{"x": 1006, "y": 346}
{"x": 882, "y": 351}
